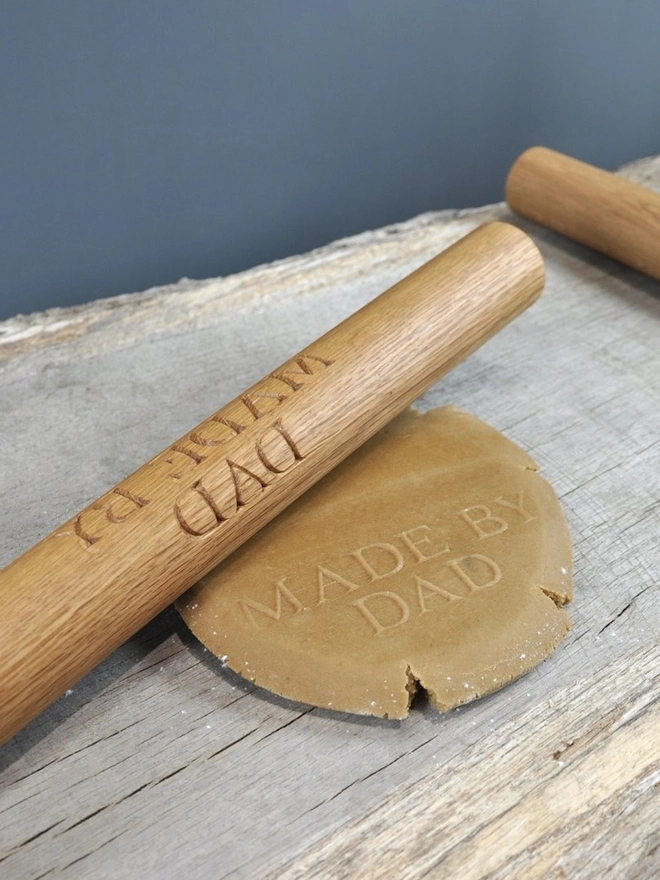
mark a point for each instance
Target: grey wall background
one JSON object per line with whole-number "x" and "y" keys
{"x": 144, "y": 141}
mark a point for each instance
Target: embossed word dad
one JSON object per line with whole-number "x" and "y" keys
{"x": 436, "y": 556}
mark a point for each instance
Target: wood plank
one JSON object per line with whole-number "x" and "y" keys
{"x": 163, "y": 764}
{"x": 595, "y": 760}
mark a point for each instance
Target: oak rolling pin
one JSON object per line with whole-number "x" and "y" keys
{"x": 86, "y": 588}
{"x": 592, "y": 206}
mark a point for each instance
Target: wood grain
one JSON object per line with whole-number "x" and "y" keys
{"x": 589, "y": 205}
{"x": 550, "y": 820}
{"x": 161, "y": 764}
{"x": 91, "y": 584}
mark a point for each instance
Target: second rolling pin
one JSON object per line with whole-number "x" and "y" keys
{"x": 589, "y": 205}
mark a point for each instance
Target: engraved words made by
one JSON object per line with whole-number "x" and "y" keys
{"x": 426, "y": 572}
{"x": 218, "y": 481}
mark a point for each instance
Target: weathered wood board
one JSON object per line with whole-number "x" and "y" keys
{"x": 163, "y": 764}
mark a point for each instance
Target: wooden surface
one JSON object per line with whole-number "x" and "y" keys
{"x": 104, "y": 574}
{"x": 162, "y": 764}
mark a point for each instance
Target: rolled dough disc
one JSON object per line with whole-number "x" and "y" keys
{"x": 434, "y": 557}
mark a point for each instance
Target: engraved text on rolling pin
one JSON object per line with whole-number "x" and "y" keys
{"x": 211, "y": 485}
